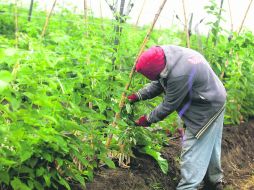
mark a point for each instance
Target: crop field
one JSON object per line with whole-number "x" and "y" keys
{"x": 64, "y": 120}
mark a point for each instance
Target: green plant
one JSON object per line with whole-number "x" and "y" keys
{"x": 214, "y": 10}
{"x": 57, "y": 99}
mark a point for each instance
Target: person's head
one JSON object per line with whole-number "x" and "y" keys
{"x": 151, "y": 63}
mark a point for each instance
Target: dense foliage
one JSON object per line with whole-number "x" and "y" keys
{"x": 59, "y": 95}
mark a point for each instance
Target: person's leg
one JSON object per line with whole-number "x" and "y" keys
{"x": 196, "y": 155}
{"x": 215, "y": 172}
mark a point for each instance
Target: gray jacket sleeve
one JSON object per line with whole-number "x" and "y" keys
{"x": 176, "y": 90}
{"x": 150, "y": 91}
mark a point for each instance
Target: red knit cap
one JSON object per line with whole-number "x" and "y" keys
{"x": 151, "y": 63}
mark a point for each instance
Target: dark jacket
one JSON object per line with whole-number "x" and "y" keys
{"x": 191, "y": 88}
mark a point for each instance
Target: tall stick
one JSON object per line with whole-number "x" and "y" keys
{"x": 186, "y": 25}
{"x": 16, "y": 24}
{"x": 245, "y": 15}
{"x": 143, "y": 5}
{"x": 101, "y": 10}
{"x": 101, "y": 15}
{"x": 85, "y": 9}
{"x": 217, "y": 24}
{"x": 230, "y": 14}
{"x": 122, "y": 100}
{"x": 30, "y": 10}
{"x": 47, "y": 19}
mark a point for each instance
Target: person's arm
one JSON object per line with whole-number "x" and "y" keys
{"x": 150, "y": 91}
{"x": 177, "y": 89}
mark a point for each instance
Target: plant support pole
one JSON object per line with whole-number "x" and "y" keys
{"x": 143, "y": 5}
{"x": 16, "y": 24}
{"x": 230, "y": 14}
{"x": 245, "y": 15}
{"x": 122, "y": 100}
{"x": 85, "y": 10}
{"x": 47, "y": 19}
{"x": 186, "y": 25}
{"x": 30, "y": 10}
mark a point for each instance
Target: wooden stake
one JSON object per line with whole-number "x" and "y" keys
{"x": 231, "y": 19}
{"x": 101, "y": 16}
{"x": 16, "y": 24}
{"x": 186, "y": 25}
{"x": 47, "y": 20}
{"x": 122, "y": 100}
{"x": 85, "y": 10}
{"x": 30, "y": 10}
{"x": 143, "y": 5}
{"x": 245, "y": 15}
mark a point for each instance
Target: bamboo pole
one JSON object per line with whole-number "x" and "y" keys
{"x": 101, "y": 10}
{"x": 122, "y": 100}
{"x": 30, "y": 10}
{"x": 142, "y": 8}
{"x": 47, "y": 19}
{"x": 230, "y": 15}
{"x": 217, "y": 24}
{"x": 245, "y": 15}
{"x": 16, "y": 24}
{"x": 85, "y": 10}
{"x": 186, "y": 25}
{"x": 101, "y": 16}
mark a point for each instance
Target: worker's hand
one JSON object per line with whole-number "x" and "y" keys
{"x": 133, "y": 98}
{"x": 142, "y": 121}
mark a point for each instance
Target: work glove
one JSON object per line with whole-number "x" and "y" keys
{"x": 142, "y": 121}
{"x": 133, "y": 98}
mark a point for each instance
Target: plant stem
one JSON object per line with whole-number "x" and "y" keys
{"x": 245, "y": 15}
{"x": 122, "y": 100}
{"x": 186, "y": 25}
{"x": 47, "y": 19}
{"x": 217, "y": 24}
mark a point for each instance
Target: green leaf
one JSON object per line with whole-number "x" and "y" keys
{"x": 17, "y": 184}
{"x": 48, "y": 157}
{"x": 6, "y": 162}
{"x": 109, "y": 163}
{"x": 157, "y": 156}
{"x": 80, "y": 179}
{"x": 25, "y": 155}
{"x": 63, "y": 182}
{"x": 47, "y": 179}
{"x": 31, "y": 184}
{"x": 4, "y": 177}
{"x": 26, "y": 170}
{"x": 38, "y": 186}
{"x": 5, "y": 76}
{"x": 3, "y": 85}
{"x": 40, "y": 171}
{"x": 128, "y": 108}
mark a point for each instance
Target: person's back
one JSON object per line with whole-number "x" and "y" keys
{"x": 206, "y": 93}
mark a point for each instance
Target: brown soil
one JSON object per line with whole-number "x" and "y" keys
{"x": 144, "y": 173}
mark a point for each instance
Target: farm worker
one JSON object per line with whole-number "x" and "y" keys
{"x": 192, "y": 89}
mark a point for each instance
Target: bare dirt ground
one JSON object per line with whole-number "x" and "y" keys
{"x": 144, "y": 173}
